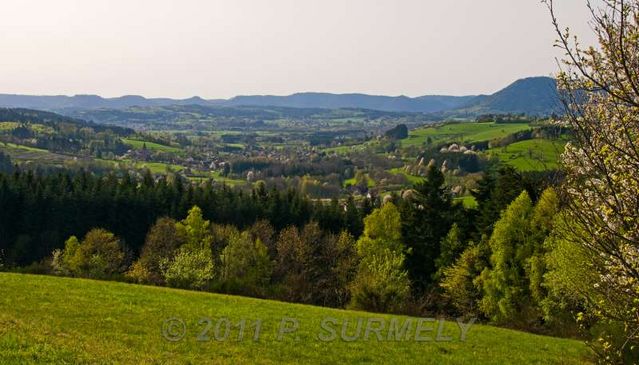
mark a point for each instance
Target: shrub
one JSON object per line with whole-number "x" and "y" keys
{"x": 139, "y": 273}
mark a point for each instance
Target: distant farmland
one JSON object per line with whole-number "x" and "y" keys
{"x": 462, "y": 133}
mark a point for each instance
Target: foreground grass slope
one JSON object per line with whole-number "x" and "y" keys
{"x": 61, "y": 320}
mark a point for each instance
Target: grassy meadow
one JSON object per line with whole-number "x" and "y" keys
{"x": 46, "y": 319}
{"x": 25, "y": 153}
{"x": 138, "y": 144}
{"x": 462, "y": 132}
{"x": 530, "y": 155}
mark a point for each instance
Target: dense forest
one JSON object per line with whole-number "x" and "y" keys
{"x": 41, "y": 209}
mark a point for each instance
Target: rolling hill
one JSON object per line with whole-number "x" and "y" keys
{"x": 533, "y": 96}
{"x": 422, "y": 104}
{"x": 46, "y": 319}
{"x": 29, "y": 116}
{"x": 61, "y": 102}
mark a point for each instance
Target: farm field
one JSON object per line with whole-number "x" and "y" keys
{"x": 340, "y": 150}
{"x": 63, "y": 320}
{"x": 411, "y": 178}
{"x": 25, "y": 153}
{"x": 352, "y": 181}
{"x": 156, "y": 167}
{"x": 137, "y": 144}
{"x": 530, "y": 155}
{"x": 8, "y": 126}
{"x": 462, "y": 132}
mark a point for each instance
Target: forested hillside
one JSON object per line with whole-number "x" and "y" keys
{"x": 59, "y": 134}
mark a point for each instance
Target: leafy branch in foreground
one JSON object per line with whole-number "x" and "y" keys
{"x": 600, "y": 86}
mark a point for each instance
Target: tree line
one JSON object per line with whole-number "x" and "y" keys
{"x": 41, "y": 210}
{"x": 265, "y": 243}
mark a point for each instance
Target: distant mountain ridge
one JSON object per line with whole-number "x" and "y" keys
{"x": 422, "y": 104}
{"x": 59, "y": 102}
{"x": 534, "y": 96}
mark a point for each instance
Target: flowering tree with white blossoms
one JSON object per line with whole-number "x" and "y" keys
{"x": 600, "y": 91}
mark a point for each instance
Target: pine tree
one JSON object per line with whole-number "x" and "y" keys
{"x": 426, "y": 219}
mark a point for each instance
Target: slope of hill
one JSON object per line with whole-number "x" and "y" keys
{"x": 24, "y": 116}
{"x": 534, "y": 96}
{"x": 531, "y": 96}
{"x": 47, "y": 319}
{"x": 33, "y": 136}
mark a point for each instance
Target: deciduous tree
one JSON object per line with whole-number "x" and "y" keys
{"x": 600, "y": 86}
{"x": 381, "y": 283}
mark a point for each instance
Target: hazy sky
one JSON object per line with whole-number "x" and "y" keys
{"x": 222, "y": 48}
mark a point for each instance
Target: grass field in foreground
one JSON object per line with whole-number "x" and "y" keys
{"x": 47, "y": 319}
